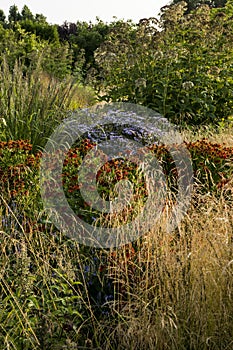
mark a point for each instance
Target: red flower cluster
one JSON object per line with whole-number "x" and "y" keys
{"x": 211, "y": 162}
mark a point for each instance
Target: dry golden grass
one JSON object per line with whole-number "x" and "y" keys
{"x": 175, "y": 292}
{"x": 223, "y": 136}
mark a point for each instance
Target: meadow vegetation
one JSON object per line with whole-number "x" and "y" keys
{"x": 162, "y": 291}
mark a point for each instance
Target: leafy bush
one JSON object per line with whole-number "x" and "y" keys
{"x": 212, "y": 166}
{"x": 180, "y": 66}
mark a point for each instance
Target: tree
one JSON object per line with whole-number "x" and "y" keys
{"x": 14, "y": 14}
{"x": 83, "y": 38}
{"x": 26, "y": 14}
{"x": 40, "y": 18}
{"x": 42, "y": 30}
{"x": 2, "y": 17}
{"x": 193, "y": 4}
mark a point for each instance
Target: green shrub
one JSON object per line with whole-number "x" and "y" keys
{"x": 180, "y": 66}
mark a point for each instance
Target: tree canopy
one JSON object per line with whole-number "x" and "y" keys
{"x": 194, "y": 4}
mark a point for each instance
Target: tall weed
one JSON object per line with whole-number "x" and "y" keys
{"x": 33, "y": 104}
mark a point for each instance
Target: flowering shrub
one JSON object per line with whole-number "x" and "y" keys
{"x": 212, "y": 165}
{"x": 180, "y": 66}
{"x": 18, "y": 169}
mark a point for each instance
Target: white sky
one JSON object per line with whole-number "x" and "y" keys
{"x": 87, "y": 10}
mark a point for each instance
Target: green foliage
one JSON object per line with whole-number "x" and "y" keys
{"x": 15, "y": 44}
{"x": 57, "y": 61}
{"x": 183, "y": 70}
{"x": 41, "y": 307}
{"x": 26, "y": 14}
{"x": 18, "y": 44}
{"x": 32, "y": 24}
{"x": 83, "y": 38}
{"x": 2, "y": 17}
{"x": 89, "y": 37}
{"x": 14, "y": 14}
{"x": 42, "y": 30}
{"x": 27, "y": 37}
{"x": 193, "y": 4}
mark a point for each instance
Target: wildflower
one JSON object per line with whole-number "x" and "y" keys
{"x": 140, "y": 82}
{"x": 187, "y": 85}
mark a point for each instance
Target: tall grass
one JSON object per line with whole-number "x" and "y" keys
{"x": 222, "y": 134}
{"x": 164, "y": 291}
{"x": 167, "y": 291}
{"x": 33, "y": 104}
{"x": 176, "y": 290}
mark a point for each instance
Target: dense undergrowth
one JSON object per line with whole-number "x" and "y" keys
{"x": 163, "y": 291}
